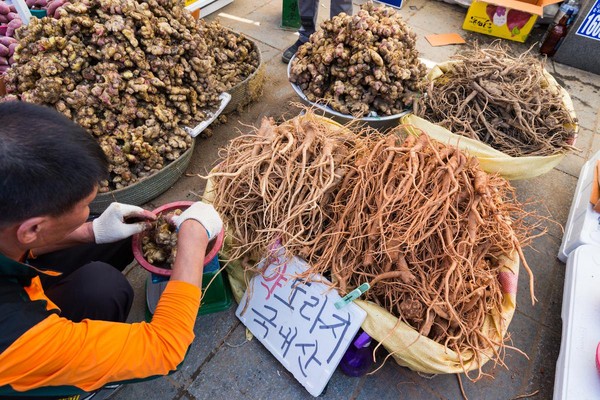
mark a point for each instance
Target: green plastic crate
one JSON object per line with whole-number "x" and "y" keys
{"x": 214, "y": 299}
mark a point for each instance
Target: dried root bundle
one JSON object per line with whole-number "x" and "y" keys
{"x": 419, "y": 220}
{"x": 429, "y": 230}
{"x": 133, "y": 73}
{"x": 501, "y": 100}
{"x": 361, "y": 64}
{"x": 276, "y": 183}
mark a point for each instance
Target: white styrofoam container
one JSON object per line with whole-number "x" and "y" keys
{"x": 206, "y": 7}
{"x": 576, "y": 374}
{"x": 583, "y": 224}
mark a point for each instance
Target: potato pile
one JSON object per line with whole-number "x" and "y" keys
{"x": 361, "y": 64}
{"x": 132, "y": 73}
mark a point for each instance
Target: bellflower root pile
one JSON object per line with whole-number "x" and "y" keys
{"x": 132, "y": 73}
{"x": 417, "y": 219}
{"x": 276, "y": 183}
{"x": 361, "y": 64}
{"x": 429, "y": 230}
{"x": 501, "y": 100}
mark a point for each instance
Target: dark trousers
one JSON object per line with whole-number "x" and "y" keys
{"x": 309, "y": 11}
{"x": 92, "y": 285}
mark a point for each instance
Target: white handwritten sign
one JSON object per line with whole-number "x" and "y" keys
{"x": 298, "y": 321}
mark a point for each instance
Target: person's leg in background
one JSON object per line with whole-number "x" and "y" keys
{"x": 309, "y": 10}
{"x": 92, "y": 285}
{"x": 340, "y": 6}
{"x": 308, "y": 18}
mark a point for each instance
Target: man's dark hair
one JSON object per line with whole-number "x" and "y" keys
{"x": 48, "y": 163}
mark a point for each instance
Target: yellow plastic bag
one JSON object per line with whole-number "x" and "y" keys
{"x": 405, "y": 344}
{"x": 419, "y": 353}
{"x": 491, "y": 160}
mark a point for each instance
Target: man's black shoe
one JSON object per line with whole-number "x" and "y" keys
{"x": 290, "y": 51}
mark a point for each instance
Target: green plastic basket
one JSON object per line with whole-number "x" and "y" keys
{"x": 215, "y": 298}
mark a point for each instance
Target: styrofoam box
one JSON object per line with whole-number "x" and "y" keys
{"x": 583, "y": 224}
{"x": 205, "y": 7}
{"x": 576, "y": 373}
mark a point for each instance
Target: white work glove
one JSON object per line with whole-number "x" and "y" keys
{"x": 111, "y": 227}
{"x": 203, "y": 213}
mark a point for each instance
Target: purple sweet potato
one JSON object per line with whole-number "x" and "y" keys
{"x": 15, "y": 23}
{"x": 53, "y": 5}
{"x": 7, "y": 41}
{"x": 4, "y": 8}
{"x": 11, "y": 48}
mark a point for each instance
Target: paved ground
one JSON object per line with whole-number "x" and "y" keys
{"x": 223, "y": 365}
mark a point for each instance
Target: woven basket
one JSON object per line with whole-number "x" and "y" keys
{"x": 147, "y": 188}
{"x": 250, "y": 88}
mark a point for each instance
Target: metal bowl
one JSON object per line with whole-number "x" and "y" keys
{"x": 383, "y": 123}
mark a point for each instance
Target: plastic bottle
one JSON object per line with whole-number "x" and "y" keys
{"x": 556, "y": 35}
{"x": 572, "y": 5}
{"x": 358, "y": 358}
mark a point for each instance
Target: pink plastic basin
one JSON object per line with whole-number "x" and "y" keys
{"x": 211, "y": 252}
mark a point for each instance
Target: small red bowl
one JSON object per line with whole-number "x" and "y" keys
{"x": 211, "y": 252}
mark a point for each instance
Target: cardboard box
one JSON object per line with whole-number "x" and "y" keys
{"x": 508, "y": 19}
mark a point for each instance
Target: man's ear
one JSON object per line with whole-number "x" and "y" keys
{"x": 29, "y": 230}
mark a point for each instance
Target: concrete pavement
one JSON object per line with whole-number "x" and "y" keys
{"x": 223, "y": 365}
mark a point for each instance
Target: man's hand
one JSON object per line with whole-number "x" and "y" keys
{"x": 203, "y": 213}
{"x": 111, "y": 225}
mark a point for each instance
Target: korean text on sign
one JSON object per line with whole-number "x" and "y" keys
{"x": 298, "y": 322}
{"x": 590, "y": 26}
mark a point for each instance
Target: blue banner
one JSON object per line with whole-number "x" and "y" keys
{"x": 590, "y": 27}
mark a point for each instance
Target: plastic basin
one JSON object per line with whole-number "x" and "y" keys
{"x": 211, "y": 252}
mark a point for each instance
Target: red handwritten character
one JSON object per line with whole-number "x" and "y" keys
{"x": 278, "y": 279}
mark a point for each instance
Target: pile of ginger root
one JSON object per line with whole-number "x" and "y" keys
{"x": 133, "y": 73}
{"x": 361, "y": 65}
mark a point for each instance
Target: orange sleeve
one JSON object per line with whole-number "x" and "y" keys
{"x": 91, "y": 353}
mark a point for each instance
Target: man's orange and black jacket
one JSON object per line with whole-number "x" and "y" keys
{"x": 39, "y": 348}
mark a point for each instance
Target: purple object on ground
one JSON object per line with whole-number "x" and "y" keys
{"x": 358, "y": 358}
